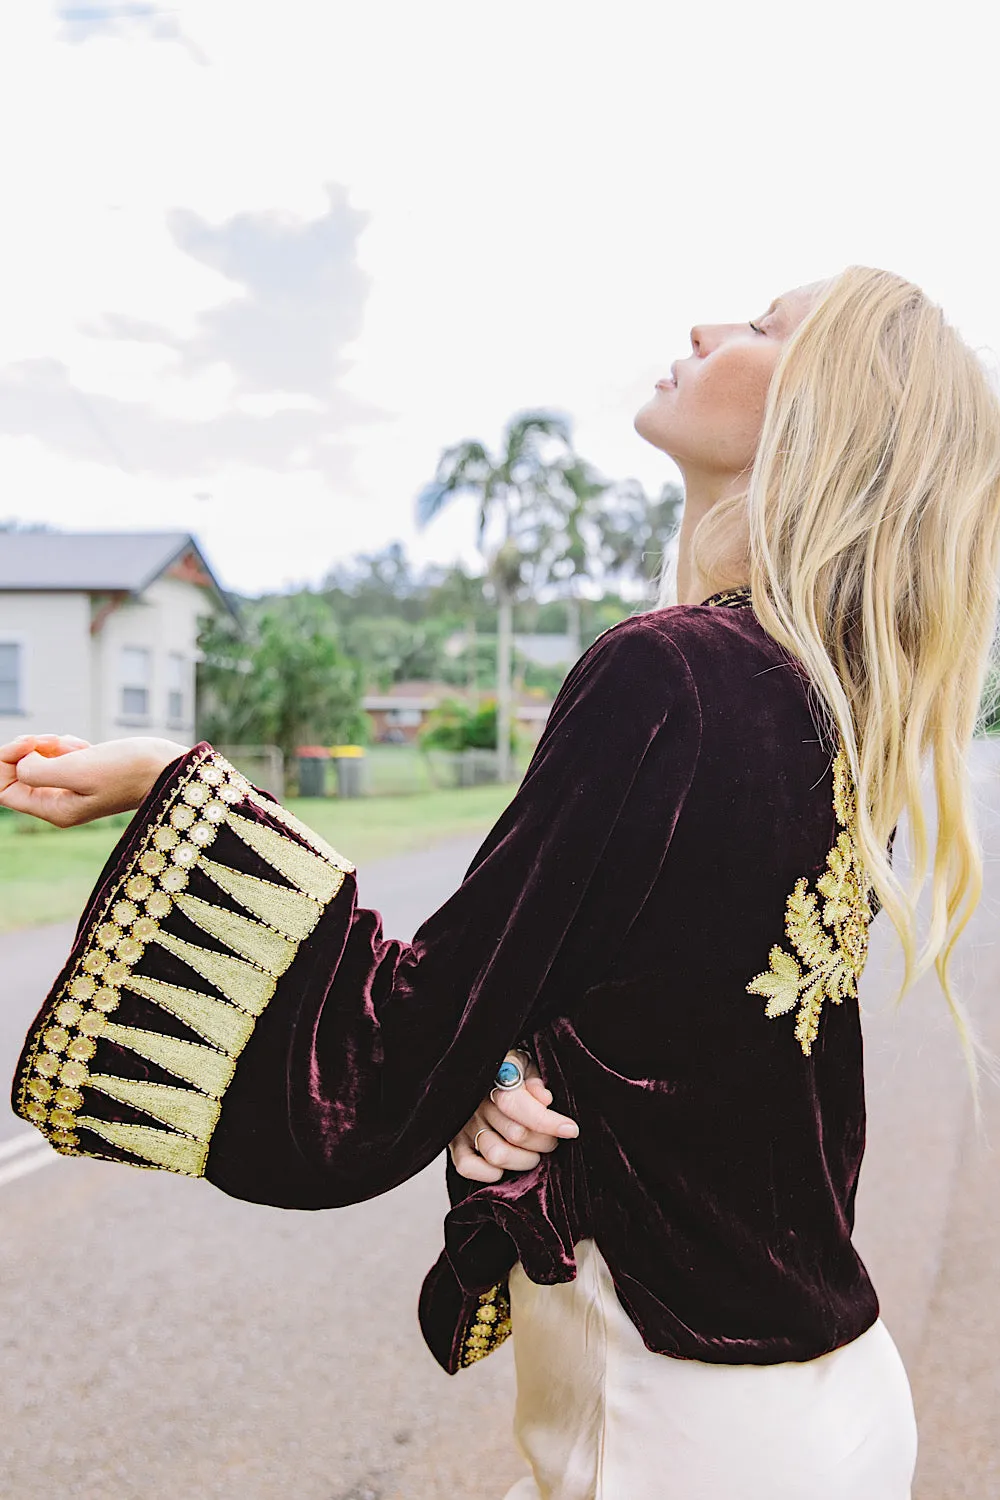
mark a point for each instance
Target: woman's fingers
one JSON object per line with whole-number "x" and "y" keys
{"x": 510, "y": 1132}
{"x": 468, "y": 1163}
{"x": 52, "y": 804}
{"x": 493, "y": 1148}
{"x": 525, "y": 1107}
{"x": 78, "y": 785}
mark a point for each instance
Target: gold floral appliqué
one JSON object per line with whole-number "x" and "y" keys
{"x": 827, "y": 927}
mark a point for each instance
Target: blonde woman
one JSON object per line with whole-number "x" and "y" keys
{"x": 669, "y": 923}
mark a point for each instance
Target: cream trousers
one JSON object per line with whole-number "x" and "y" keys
{"x": 600, "y": 1417}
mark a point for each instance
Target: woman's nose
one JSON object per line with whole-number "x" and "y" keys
{"x": 708, "y": 336}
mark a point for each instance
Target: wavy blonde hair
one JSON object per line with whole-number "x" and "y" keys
{"x": 870, "y": 534}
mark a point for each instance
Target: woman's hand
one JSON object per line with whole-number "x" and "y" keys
{"x": 65, "y": 781}
{"x": 514, "y": 1128}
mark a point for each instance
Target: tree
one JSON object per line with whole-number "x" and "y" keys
{"x": 507, "y": 488}
{"x": 281, "y": 680}
{"x": 570, "y": 544}
{"x": 636, "y": 532}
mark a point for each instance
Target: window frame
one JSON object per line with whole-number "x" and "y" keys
{"x": 127, "y": 714}
{"x": 19, "y": 710}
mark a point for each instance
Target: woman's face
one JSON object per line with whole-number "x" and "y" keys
{"x": 708, "y": 412}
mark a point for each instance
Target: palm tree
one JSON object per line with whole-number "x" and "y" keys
{"x": 575, "y": 538}
{"x": 508, "y": 488}
{"x": 637, "y": 532}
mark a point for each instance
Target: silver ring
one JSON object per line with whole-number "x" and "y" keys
{"x": 475, "y": 1141}
{"x": 492, "y": 1092}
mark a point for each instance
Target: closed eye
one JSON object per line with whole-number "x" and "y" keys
{"x": 756, "y": 329}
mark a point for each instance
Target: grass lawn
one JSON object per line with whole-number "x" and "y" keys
{"x": 46, "y": 873}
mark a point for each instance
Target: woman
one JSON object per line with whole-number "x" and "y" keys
{"x": 671, "y": 918}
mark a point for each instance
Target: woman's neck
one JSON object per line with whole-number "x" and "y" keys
{"x": 701, "y": 492}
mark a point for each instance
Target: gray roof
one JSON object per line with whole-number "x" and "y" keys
{"x": 90, "y": 561}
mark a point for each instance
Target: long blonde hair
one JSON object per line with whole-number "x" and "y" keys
{"x": 870, "y": 535}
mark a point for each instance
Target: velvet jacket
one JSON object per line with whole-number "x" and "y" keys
{"x": 672, "y": 913}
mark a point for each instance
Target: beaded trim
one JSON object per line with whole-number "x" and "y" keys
{"x": 489, "y": 1327}
{"x": 830, "y": 940}
{"x": 730, "y": 598}
{"x": 250, "y": 954}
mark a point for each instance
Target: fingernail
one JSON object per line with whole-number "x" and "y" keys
{"x": 570, "y": 1131}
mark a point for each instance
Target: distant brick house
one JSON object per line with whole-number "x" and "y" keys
{"x": 400, "y": 714}
{"x": 99, "y": 631}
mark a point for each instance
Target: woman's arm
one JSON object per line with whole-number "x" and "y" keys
{"x": 229, "y": 1010}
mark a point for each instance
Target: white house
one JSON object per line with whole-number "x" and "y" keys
{"x": 98, "y": 633}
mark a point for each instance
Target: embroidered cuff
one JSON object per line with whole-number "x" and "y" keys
{"x": 177, "y": 958}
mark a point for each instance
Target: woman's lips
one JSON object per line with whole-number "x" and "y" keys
{"x": 669, "y": 382}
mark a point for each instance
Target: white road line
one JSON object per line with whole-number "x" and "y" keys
{"x": 21, "y": 1142}
{"x": 28, "y": 1162}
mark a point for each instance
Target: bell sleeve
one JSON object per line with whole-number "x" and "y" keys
{"x": 230, "y": 1011}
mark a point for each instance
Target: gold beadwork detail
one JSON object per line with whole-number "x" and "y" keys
{"x": 96, "y": 961}
{"x": 489, "y": 1327}
{"x": 158, "y": 904}
{"x": 830, "y": 938}
{"x": 139, "y": 887}
{"x": 124, "y": 913}
{"x": 68, "y": 1012}
{"x": 183, "y": 816}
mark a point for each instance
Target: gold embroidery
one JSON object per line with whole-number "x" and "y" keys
{"x": 490, "y": 1326}
{"x": 211, "y": 1072}
{"x": 257, "y": 949}
{"x": 158, "y": 1148}
{"x": 223, "y": 1025}
{"x": 240, "y": 982}
{"x": 254, "y": 942}
{"x": 311, "y": 873}
{"x": 186, "y": 1110}
{"x": 287, "y": 911}
{"x": 830, "y": 936}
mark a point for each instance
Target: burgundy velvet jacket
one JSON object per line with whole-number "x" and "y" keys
{"x": 671, "y": 912}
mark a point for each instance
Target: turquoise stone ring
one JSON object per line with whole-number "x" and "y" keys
{"x": 510, "y": 1075}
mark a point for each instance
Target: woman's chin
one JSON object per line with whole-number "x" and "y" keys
{"x": 649, "y": 424}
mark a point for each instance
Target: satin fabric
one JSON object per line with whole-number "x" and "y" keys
{"x": 600, "y": 1417}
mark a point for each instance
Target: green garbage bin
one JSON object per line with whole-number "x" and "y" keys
{"x": 312, "y": 762}
{"x": 349, "y": 761}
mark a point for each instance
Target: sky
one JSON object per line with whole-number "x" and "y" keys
{"x": 261, "y": 263}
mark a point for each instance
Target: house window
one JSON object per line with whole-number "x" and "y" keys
{"x": 176, "y": 688}
{"x": 10, "y": 677}
{"x": 135, "y": 663}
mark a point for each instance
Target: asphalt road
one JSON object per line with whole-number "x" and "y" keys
{"x": 159, "y": 1341}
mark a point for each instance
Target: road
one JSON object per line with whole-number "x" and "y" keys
{"x": 163, "y": 1342}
